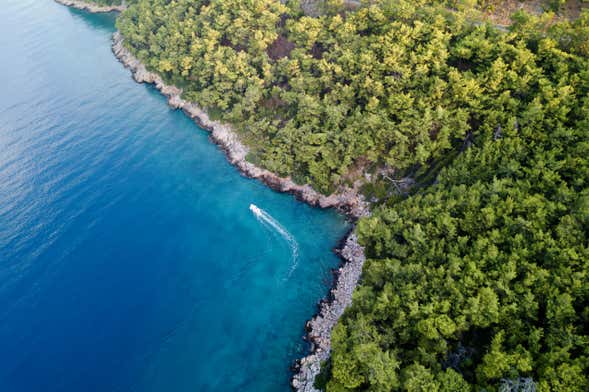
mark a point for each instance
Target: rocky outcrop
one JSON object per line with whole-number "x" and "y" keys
{"x": 90, "y": 7}
{"x": 330, "y": 310}
{"x": 346, "y": 199}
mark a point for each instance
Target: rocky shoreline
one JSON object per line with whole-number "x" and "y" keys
{"x": 346, "y": 200}
{"x": 330, "y": 310}
{"x": 94, "y": 8}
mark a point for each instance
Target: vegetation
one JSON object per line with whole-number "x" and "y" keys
{"x": 479, "y": 280}
{"x": 315, "y": 98}
{"x": 483, "y": 278}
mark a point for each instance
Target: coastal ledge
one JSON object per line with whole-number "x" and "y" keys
{"x": 347, "y": 200}
{"x": 94, "y": 8}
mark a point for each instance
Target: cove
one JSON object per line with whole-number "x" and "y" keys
{"x": 129, "y": 257}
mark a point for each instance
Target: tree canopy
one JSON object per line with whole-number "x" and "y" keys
{"x": 479, "y": 278}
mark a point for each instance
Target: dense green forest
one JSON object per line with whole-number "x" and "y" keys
{"x": 478, "y": 277}
{"x": 484, "y": 277}
{"x": 482, "y": 280}
{"x": 393, "y": 84}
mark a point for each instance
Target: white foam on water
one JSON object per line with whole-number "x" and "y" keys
{"x": 268, "y": 221}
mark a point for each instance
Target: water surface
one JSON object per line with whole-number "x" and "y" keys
{"x": 129, "y": 257}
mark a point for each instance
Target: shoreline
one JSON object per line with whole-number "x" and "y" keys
{"x": 94, "y": 8}
{"x": 346, "y": 200}
{"x": 330, "y": 308}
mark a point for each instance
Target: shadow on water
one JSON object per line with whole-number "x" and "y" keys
{"x": 102, "y": 21}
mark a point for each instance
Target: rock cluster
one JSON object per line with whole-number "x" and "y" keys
{"x": 82, "y": 5}
{"x": 330, "y": 310}
{"x": 346, "y": 199}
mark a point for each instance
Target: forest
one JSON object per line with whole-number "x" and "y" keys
{"x": 477, "y": 277}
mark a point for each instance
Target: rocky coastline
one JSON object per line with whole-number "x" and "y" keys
{"x": 94, "y": 8}
{"x": 346, "y": 199}
{"x": 330, "y": 310}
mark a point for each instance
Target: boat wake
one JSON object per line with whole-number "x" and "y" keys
{"x": 271, "y": 223}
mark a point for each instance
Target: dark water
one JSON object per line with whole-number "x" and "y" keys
{"x": 129, "y": 260}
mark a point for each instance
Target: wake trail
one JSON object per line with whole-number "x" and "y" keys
{"x": 268, "y": 221}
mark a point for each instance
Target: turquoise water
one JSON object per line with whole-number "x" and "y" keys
{"x": 129, "y": 259}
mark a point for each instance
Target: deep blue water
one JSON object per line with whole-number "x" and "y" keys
{"x": 129, "y": 260}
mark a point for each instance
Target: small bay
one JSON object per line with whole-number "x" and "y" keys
{"x": 129, "y": 257}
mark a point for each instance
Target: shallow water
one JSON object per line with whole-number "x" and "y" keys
{"x": 129, "y": 258}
